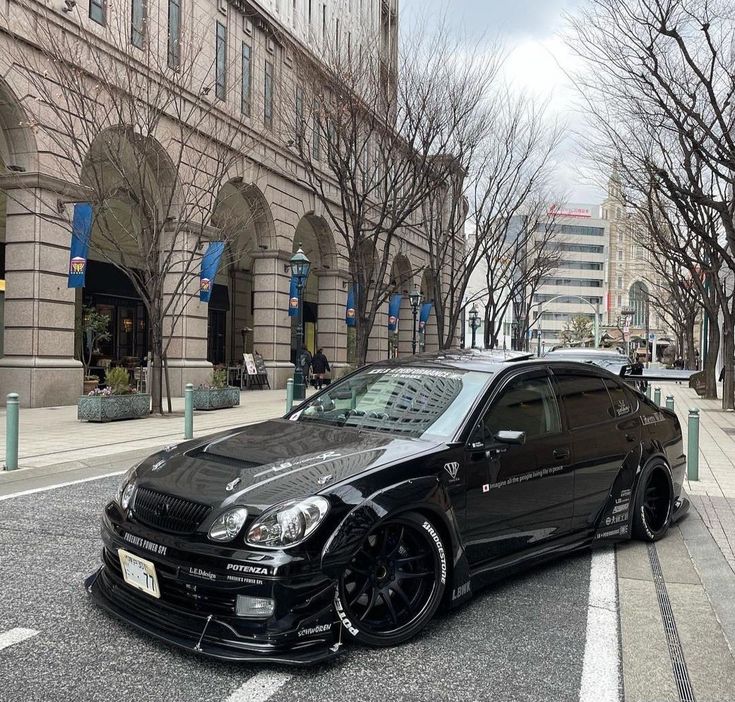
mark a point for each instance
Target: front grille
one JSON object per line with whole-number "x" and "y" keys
{"x": 167, "y": 512}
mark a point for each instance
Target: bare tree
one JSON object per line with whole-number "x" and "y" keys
{"x": 662, "y": 98}
{"x": 374, "y": 136}
{"x": 506, "y": 155}
{"x": 143, "y": 132}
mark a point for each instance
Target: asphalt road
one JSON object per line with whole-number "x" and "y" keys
{"x": 521, "y": 640}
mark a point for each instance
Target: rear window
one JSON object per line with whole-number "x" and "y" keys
{"x": 585, "y": 399}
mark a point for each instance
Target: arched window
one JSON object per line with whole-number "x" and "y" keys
{"x": 638, "y": 300}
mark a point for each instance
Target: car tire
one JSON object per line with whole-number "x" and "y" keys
{"x": 654, "y": 500}
{"x": 394, "y": 583}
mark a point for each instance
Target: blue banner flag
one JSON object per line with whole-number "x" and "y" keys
{"x": 81, "y": 231}
{"x": 210, "y": 264}
{"x": 351, "y": 310}
{"x": 424, "y": 317}
{"x": 293, "y": 298}
{"x": 394, "y": 308}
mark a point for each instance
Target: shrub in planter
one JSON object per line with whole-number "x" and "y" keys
{"x": 217, "y": 394}
{"x": 116, "y": 401}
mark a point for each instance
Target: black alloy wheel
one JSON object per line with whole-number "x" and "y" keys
{"x": 394, "y": 583}
{"x": 653, "y": 503}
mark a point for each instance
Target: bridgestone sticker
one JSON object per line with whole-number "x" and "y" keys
{"x": 440, "y": 548}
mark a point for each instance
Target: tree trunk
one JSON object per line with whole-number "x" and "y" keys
{"x": 362, "y": 339}
{"x": 710, "y": 361}
{"x": 728, "y": 354}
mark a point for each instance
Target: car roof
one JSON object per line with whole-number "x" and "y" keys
{"x": 575, "y": 351}
{"x": 482, "y": 360}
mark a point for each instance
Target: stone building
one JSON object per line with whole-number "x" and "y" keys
{"x": 630, "y": 276}
{"x": 253, "y": 47}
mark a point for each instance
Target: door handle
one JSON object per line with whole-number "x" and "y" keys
{"x": 561, "y": 453}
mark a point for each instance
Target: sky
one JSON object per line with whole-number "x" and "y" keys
{"x": 531, "y": 31}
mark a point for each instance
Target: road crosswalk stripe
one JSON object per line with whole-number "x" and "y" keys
{"x": 601, "y": 667}
{"x": 260, "y": 687}
{"x": 14, "y": 636}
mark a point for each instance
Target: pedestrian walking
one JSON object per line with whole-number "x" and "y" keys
{"x": 305, "y": 361}
{"x": 319, "y": 366}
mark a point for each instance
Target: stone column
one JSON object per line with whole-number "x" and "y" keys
{"x": 405, "y": 328}
{"x": 332, "y": 330}
{"x": 187, "y": 322}
{"x": 39, "y": 359}
{"x": 271, "y": 323}
{"x": 378, "y": 343}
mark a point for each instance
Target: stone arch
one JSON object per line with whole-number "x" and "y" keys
{"x": 638, "y": 301}
{"x": 18, "y": 150}
{"x": 320, "y": 307}
{"x": 402, "y": 282}
{"x": 430, "y": 334}
{"x": 243, "y": 217}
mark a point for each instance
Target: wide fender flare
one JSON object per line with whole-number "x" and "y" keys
{"x": 425, "y": 495}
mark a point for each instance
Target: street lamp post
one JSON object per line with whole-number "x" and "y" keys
{"x": 415, "y": 298}
{"x": 474, "y": 323}
{"x": 300, "y": 266}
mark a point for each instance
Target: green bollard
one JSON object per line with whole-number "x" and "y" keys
{"x": 648, "y": 391}
{"x": 11, "y": 431}
{"x": 189, "y": 411}
{"x": 670, "y": 402}
{"x": 657, "y": 396}
{"x": 289, "y": 394}
{"x": 693, "y": 445}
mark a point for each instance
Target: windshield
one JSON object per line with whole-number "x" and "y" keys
{"x": 416, "y": 402}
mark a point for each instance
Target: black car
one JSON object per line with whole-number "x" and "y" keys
{"x": 611, "y": 360}
{"x": 403, "y": 488}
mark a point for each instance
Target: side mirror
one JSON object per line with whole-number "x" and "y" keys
{"x": 505, "y": 436}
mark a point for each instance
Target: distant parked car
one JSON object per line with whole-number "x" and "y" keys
{"x": 402, "y": 488}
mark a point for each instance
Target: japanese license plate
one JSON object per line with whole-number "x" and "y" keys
{"x": 139, "y": 573}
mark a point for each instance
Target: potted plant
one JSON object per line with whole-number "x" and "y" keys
{"x": 95, "y": 328}
{"x": 118, "y": 400}
{"x": 217, "y": 394}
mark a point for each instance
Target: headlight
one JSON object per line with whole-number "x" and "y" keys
{"x": 228, "y": 524}
{"x": 127, "y": 495}
{"x": 289, "y": 523}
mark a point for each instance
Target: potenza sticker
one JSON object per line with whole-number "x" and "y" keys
{"x": 346, "y": 623}
{"x": 440, "y": 548}
{"x": 452, "y": 469}
{"x": 244, "y": 568}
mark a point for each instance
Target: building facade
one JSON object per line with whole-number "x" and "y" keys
{"x": 251, "y": 49}
{"x": 629, "y": 316}
{"x": 577, "y": 286}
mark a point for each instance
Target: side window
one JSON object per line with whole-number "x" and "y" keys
{"x": 623, "y": 401}
{"x": 529, "y": 405}
{"x": 585, "y": 399}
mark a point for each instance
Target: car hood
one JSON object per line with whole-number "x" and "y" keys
{"x": 273, "y": 461}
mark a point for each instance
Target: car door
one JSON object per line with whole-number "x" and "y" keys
{"x": 518, "y": 495}
{"x": 605, "y": 432}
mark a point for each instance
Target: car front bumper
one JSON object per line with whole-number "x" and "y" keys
{"x": 200, "y": 615}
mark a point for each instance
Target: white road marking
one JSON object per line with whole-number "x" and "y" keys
{"x": 601, "y": 668}
{"x": 60, "y": 485}
{"x": 14, "y": 636}
{"x": 259, "y": 688}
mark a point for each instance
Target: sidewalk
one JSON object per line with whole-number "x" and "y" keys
{"x": 677, "y": 597}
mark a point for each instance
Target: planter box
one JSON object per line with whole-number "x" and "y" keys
{"x": 216, "y": 398}
{"x": 98, "y": 408}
